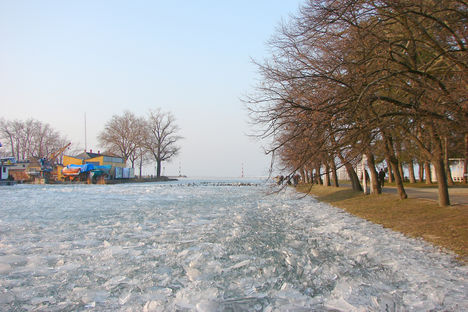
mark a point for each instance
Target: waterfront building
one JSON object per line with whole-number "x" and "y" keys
{"x": 96, "y": 159}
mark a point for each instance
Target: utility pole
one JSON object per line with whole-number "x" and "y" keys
{"x": 85, "y": 143}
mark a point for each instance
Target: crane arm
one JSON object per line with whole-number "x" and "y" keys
{"x": 60, "y": 151}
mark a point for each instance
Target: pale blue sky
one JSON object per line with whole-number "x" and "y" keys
{"x": 60, "y": 59}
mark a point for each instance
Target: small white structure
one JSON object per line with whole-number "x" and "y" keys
{"x": 456, "y": 168}
{"x": 5, "y": 163}
{"x": 3, "y": 172}
{"x": 342, "y": 174}
{"x": 124, "y": 173}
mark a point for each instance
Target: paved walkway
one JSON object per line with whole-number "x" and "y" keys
{"x": 458, "y": 196}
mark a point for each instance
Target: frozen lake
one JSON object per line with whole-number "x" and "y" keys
{"x": 192, "y": 246}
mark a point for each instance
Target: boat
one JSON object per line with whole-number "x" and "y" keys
{"x": 71, "y": 172}
{"x": 101, "y": 170}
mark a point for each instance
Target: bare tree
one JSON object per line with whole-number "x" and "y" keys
{"x": 377, "y": 73}
{"x": 143, "y": 156}
{"x": 30, "y": 138}
{"x": 123, "y": 135}
{"x": 161, "y": 137}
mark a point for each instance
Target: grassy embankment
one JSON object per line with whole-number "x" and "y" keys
{"x": 446, "y": 227}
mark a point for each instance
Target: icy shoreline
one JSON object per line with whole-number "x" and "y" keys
{"x": 208, "y": 247}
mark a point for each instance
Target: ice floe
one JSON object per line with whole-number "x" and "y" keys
{"x": 209, "y": 246}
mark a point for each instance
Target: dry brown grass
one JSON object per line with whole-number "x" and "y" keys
{"x": 446, "y": 227}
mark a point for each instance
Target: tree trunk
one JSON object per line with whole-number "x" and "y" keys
{"x": 18, "y": 150}
{"x": 438, "y": 156}
{"x": 318, "y": 175}
{"x": 356, "y": 185}
{"x": 390, "y": 155}
{"x": 444, "y": 199}
{"x": 307, "y": 176}
{"x": 158, "y": 168}
{"x": 421, "y": 171}
{"x": 446, "y": 163}
{"x": 303, "y": 175}
{"x": 12, "y": 147}
{"x": 400, "y": 163}
{"x": 141, "y": 165}
{"x": 351, "y": 173}
{"x": 427, "y": 169}
{"x": 354, "y": 178}
{"x": 398, "y": 179}
{"x": 334, "y": 173}
{"x": 400, "y": 170}
{"x": 390, "y": 171}
{"x": 327, "y": 174}
{"x": 375, "y": 185}
{"x": 412, "y": 179}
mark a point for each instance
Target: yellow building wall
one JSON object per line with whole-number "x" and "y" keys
{"x": 70, "y": 160}
{"x": 100, "y": 160}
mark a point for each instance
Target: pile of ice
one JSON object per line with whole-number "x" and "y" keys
{"x": 156, "y": 247}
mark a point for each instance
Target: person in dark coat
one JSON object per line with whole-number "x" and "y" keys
{"x": 381, "y": 177}
{"x": 296, "y": 179}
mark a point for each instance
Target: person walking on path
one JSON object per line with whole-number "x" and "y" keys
{"x": 381, "y": 177}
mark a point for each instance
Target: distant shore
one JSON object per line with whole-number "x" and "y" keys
{"x": 114, "y": 181}
{"x": 142, "y": 180}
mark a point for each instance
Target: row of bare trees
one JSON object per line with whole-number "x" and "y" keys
{"x": 27, "y": 139}
{"x": 139, "y": 139}
{"x": 387, "y": 79}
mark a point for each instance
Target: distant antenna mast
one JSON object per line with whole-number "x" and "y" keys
{"x": 180, "y": 171}
{"x": 85, "y": 143}
{"x": 242, "y": 173}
